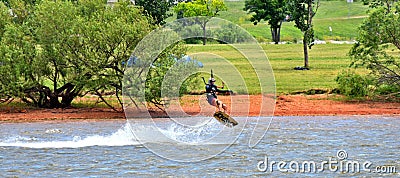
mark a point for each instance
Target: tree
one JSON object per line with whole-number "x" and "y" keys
{"x": 16, "y": 64}
{"x": 157, "y": 9}
{"x": 202, "y": 10}
{"x": 302, "y": 13}
{"x": 64, "y": 50}
{"x": 168, "y": 64}
{"x": 379, "y": 3}
{"x": 105, "y": 41}
{"x": 34, "y": 56}
{"x": 378, "y": 43}
{"x": 273, "y": 11}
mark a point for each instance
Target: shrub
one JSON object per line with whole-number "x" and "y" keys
{"x": 354, "y": 85}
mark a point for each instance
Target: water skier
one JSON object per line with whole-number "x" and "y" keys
{"x": 211, "y": 91}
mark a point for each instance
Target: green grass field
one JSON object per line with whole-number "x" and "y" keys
{"x": 326, "y": 61}
{"x": 342, "y": 17}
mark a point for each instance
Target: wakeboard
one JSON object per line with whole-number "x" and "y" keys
{"x": 225, "y": 119}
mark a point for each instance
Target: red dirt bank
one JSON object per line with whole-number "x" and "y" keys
{"x": 287, "y": 105}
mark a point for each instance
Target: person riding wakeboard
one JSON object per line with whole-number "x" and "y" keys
{"x": 212, "y": 90}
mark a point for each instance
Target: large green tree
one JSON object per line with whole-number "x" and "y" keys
{"x": 302, "y": 13}
{"x": 202, "y": 10}
{"x": 63, "y": 50}
{"x": 107, "y": 39}
{"x": 378, "y": 44}
{"x": 272, "y": 11}
{"x": 157, "y": 9}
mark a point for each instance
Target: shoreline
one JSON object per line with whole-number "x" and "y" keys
{"x": 286, "y": 105}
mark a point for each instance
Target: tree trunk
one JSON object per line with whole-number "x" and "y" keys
{"x": 54, "y": 102}
{"x": 308, "y": 34}
{"x": 204, "y": 33}
{"x": 202, "y": 21}
{"x": 279, "y": 35}
{"x": 67, "y": 100}
{"x": 305, "y": 48}
{"x": 276, "y": 33}
{"x": 43, "y": 97}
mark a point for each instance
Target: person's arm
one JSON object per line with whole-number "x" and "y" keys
{"x": 223, "y": 85}
{"x": 223, "y": 91}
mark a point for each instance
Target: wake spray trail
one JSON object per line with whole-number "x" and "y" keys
{"x": 55, "y": 138}
{"x": 122, "y": 137}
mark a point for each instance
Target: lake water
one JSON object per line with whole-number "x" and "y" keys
{"x": 334, "y": 146}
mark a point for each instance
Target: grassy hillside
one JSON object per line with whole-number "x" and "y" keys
{"x": 326, "y": 62}
{"x": 342, "y": 17}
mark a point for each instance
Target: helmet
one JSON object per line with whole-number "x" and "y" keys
{"x": 211, "y": 80}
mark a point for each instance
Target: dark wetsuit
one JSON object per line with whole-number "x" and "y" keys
{"x": 211, "y": 91}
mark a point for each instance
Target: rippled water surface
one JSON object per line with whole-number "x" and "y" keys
{"x": 109, "y": 148}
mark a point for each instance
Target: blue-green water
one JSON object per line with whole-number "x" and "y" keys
{"x": 109, "y": 149}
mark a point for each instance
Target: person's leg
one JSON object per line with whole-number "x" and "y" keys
{"x": 215, "y": 102}
{"x": 220, "y": 104}
{"x": 224, "y": 107}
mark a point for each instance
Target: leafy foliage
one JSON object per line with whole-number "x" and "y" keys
{"x": 203, "y": 10}
{"x": 65, "y": 49}
{"x": 273, "y": 11}
{"x": 378, "y": 45}
{"x": 378, "y": 3}
{"x": 5, "y": 18}
{"x": 157, "y": 9}
{"x": 169, "y": 65}
{"x": 231, "y": 33}
{"x": 16, "y": 62}
{"x": 207, "y": 8}
{"x": 354, "y": 85}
